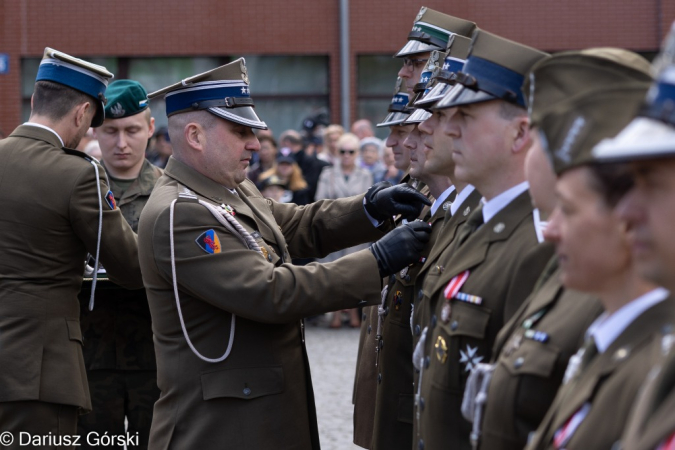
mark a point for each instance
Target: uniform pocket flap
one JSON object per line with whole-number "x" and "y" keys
{"x": 246, "y": 384}
{"x": 74, "y": 330}
{"x": 467, "y": 320}
{"x": 531, "y": 358}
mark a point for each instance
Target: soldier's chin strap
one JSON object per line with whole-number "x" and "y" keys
{"x": 229, "y": 222}
{"x": 98, "y": 238}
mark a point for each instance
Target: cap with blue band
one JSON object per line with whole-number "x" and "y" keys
{"x": 83, "y": 76}
{"x": 495, "y": 69}
{"x": 398, "y": 107}
{"x": 223, "y": 91}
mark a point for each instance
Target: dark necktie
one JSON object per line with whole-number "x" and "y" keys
{"x": 474, "y": 221}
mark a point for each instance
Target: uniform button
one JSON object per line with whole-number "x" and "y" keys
{"x": 392, "y": 278}
{"x": 518, "y": 363}
{"x": 269, "y": 257}
{"x": 363, "y": 317}
{"x": 247, "y": 391}
{"x": 454, "y": 325}
{"x": 369, "y": 328}
{"x": 379, "y": 378}
{"x": 440, "y": 269}
{"x": 421, "y": 404}
{"x": 407, "y": 278}
{"x": 418, "y": 330}
{"x": 427, "y": 361}
{"x": 420, "y": 444}
{"x": 420, "y": 294}
{"x": 381, "y": 344}
{"x": 433, "y": 321}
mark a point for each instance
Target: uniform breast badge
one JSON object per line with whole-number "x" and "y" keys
{"x": 441, "y": 349}
{"x": 398, "y": 300}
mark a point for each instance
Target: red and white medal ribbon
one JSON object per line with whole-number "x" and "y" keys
{"x": 455, "y": 285}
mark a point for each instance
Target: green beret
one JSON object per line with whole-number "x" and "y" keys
{"x": 571, "y": 128}
{"x": 568, "y": 74}
{"x": 125, "y": 98}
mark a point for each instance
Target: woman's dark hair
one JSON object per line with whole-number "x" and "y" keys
{"x": 611, "y": 181}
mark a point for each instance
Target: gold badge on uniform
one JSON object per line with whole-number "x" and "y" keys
{"x": 265, "y": 253}
{"x": 441, "y": 349}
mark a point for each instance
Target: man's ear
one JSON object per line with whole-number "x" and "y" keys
{"x": 151, "y": 127}
{"x": 81, "y": 111}
{"x": 522, "y": 139}
{"x": 195, "y": 136}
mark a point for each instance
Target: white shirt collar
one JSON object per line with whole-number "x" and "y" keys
{"x": 461, "y": 196}
{"x": 606, "y": 328}
{"x": 493, "y": 206}
{"x": 441, "y": 198}
{"x": 46, "y": 128}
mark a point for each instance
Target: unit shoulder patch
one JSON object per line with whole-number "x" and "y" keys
{"x": 209, "y": 242}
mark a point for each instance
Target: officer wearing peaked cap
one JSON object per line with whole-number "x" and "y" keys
{"x": 119, "y": 353}
{"x": 532, "y": 350}
{"x": 226, "y": 302}
{"x": 648, "y": 145}
{"x": 49, "y": 225}
{"x": 432, "y": 30}
{"x": 492, "y": 264}
{"x": 619, "y": 347}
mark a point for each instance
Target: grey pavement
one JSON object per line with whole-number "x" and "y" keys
{"x": 332, "y": 358}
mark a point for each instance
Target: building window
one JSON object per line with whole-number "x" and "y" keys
{"x": 376, "y": 75}
{"x": 287, "y": 89}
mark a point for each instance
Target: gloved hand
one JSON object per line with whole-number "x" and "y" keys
{"x": 383, "y": 201}
{"x": 400, "y": 247}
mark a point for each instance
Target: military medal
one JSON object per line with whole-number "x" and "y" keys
{"x": 451, "y": 291}
{"x": 228, "y": 209}
{"x": 398, "y": 300}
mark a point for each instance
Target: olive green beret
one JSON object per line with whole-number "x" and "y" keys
{"x": 567, "y": 74}
{"x": 125, "y": 98}
{"x": 572, "y": 127}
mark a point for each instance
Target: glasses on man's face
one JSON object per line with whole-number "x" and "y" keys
{"x": 345, "y": 151}
{"x": 412, "y": 63}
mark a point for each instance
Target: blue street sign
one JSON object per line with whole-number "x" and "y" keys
{"x": 4, "y": 63}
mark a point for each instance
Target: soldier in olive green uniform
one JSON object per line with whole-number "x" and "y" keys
{"x": 56, "y": 206}
{"x": 119, "y": 352}
{"x": 481, "y": 279}
{"x": 648, "y": 143}
{"x": 226, "y": 302}
{"x": 532, "y": 350}
{"x": 366, "y": 376}
{"x": 603, "y": 378}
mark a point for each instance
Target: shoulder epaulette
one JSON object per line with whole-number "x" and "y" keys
{"x": 83, "y": 155}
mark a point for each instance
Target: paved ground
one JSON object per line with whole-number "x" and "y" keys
{"x": 332, "y": 358}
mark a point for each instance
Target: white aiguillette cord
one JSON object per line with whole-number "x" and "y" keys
{"x": 98, "y": 239}
{"x": 228, "y": 221}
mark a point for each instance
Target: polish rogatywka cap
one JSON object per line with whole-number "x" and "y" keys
{"x": 651, "y": 134}
{"x": 495, "y": 70}
{"x": 89, "y": 78}
{"x": 398, "y": 110}
{"x": 432, "y": 30}
{"x": 223, "y": 91}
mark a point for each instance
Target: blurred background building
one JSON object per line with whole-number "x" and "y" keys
{"x": 302, "y": 56}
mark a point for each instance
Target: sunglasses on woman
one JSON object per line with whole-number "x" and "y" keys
{"x": 343, "y": 151}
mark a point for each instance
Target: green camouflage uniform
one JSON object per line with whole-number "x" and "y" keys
{"x": 118, "y": 349}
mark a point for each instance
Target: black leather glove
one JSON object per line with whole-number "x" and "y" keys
{"x": 384, "y": 201}
{"x": 400, "y": 247}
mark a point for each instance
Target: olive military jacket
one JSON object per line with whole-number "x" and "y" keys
{"x": 530, "y": 356}
{"x": 118, "y": 332}
{"x": 260, "y": 395}
{"x": 394, "y": 402}
{"x": 652, "y": 420}
{"x": 464, "y": 334}
{"x": 366, "y": 374}
{"x": 49, "y": 222}
{"x": 610, "y": 384}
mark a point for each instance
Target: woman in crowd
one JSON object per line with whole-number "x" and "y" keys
{"x": 290, "y": 174}
{"x": 344, "y": 180}
{"x": 266, "y": 158}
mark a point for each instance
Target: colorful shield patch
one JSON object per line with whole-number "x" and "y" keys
{"x": 110, "y": 198}
{"x": 209, "y": 242}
